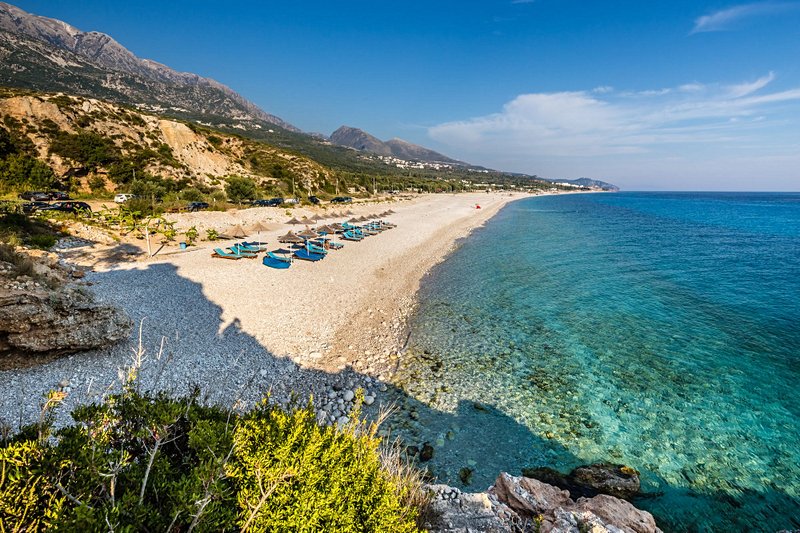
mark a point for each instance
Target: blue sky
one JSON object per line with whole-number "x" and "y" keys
{"x": 677, "y": 95}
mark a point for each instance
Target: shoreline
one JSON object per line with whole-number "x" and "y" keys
{"x": 242, "y": 330}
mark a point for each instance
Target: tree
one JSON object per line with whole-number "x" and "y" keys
{"x": 21, "y": 171}
{"x": 239, "y": 189}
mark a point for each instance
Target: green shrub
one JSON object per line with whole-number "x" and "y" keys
{"x": 43, "y": 241}
{"x": 192, "y": 195}
{"x": 87, "y": 148}
{"x": 239, "y": 189}
{"x": 154, "y": 463}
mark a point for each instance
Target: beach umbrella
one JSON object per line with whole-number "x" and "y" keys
{"x": 308, "y": 234}
{"x": 353, "y": 220}
{"x": 390, "y": 212}
{"x": 337, "y": 227}
{"x": 326, "y": 229}
{"x": 317, "y": 217}
{"x": 348, "y": 213}
{"x": 307, "y": 221}
{"x": 258, "y": 227}
{"x": 291, "y": 238}
{"x": 238, "y": 232}
{"x": 294, "y": 222}
{"x": 363, "y": 219}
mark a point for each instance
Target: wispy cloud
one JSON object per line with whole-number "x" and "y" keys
{"x": 724, "y": 19}
{"x": 607, "y": 122}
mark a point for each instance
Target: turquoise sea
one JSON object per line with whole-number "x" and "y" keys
{"x": 658, "y": 330}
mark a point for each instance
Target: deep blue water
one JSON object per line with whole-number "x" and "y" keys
{"x": 658, "y": 330}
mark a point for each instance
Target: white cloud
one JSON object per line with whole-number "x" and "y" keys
{"x": 743, "y": 89}
{"x": 723, "y": 19}
{"x": 566, "y": 131}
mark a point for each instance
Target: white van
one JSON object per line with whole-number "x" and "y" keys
{"x": 122, "y": 198}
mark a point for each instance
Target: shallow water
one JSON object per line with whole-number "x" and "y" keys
{"x": 657, "y": 330}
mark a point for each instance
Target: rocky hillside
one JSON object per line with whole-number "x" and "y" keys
{"x": 50, "y": 55}
{"x": 361, "y": 140}
{"x": 83, "y": 138}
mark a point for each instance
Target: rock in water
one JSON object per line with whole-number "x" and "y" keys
{"x": 57, "y": 322}
{"x": 426, "y": 454}
{"x": 587, "y": 481}
{"x": 519, "y": 504}
{"x": 615, "y": 480}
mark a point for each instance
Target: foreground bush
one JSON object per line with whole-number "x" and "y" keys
{"x": 142, "y": 463}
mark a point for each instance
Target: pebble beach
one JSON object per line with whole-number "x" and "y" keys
{"x": 238, "y": 331}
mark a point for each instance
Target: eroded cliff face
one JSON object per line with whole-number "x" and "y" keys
{"x": 42, "y": 316}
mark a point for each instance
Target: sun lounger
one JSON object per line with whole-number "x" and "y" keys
{"x": 276, "y": 261}
{"x": 305, "y": 255}
{"x": 219, "y": 253}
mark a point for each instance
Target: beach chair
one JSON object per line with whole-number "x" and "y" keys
{"x": 219, "y": 253}
{"x": 277, "y": 261}
{"x": 243, "y": 252}
{"x": 305, "y": 255}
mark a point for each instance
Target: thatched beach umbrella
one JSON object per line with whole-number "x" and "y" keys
{"x": 354, "y": 220}
{"x": 326, "y": 229}
{"x": 258, "y": 227}
{"x": 338, "y": 227}
{"x": 238, "y": 232}
{"x": 308, "y": 234}
{"x": 307, "y": 221}
{"x": 348, "y": 213}
{"x": 291, "y": 238}
{"x": 317, "y": 217}
{"x": 389, "y": 212}
{"x": 293, "y": 221}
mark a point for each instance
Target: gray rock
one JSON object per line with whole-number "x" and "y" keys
{"x": 369, "y": 400}
{"x": 348, "y": 395}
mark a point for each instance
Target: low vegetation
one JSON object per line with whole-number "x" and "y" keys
{"x": 153, "y": 463}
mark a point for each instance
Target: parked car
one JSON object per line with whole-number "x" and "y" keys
{"x": 291, "y": 201}
{"x": 67, "y": 207}
{"x": 314, "y": 200}
{"x": 197, "y": 206}
{"x": 261, "y": 203}
{"x": 342, "y": 200}
{"x": 122, "y": 198}
{"x": 35, "y": 196}
{"x": 30, "y": 207}
{"x": 58, "y": 195}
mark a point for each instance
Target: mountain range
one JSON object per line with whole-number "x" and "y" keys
{"x": 49, "y": 55}
{"x": 46, "y": 54}
{"x": 361, "y": 140}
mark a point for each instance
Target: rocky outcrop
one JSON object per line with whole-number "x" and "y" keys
{"x": 520, "y": 504}
{"x": 38, "y": 321}
{"x": 587, "y": 481}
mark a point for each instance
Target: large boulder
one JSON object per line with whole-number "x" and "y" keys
{"x": 37, "y": 321}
